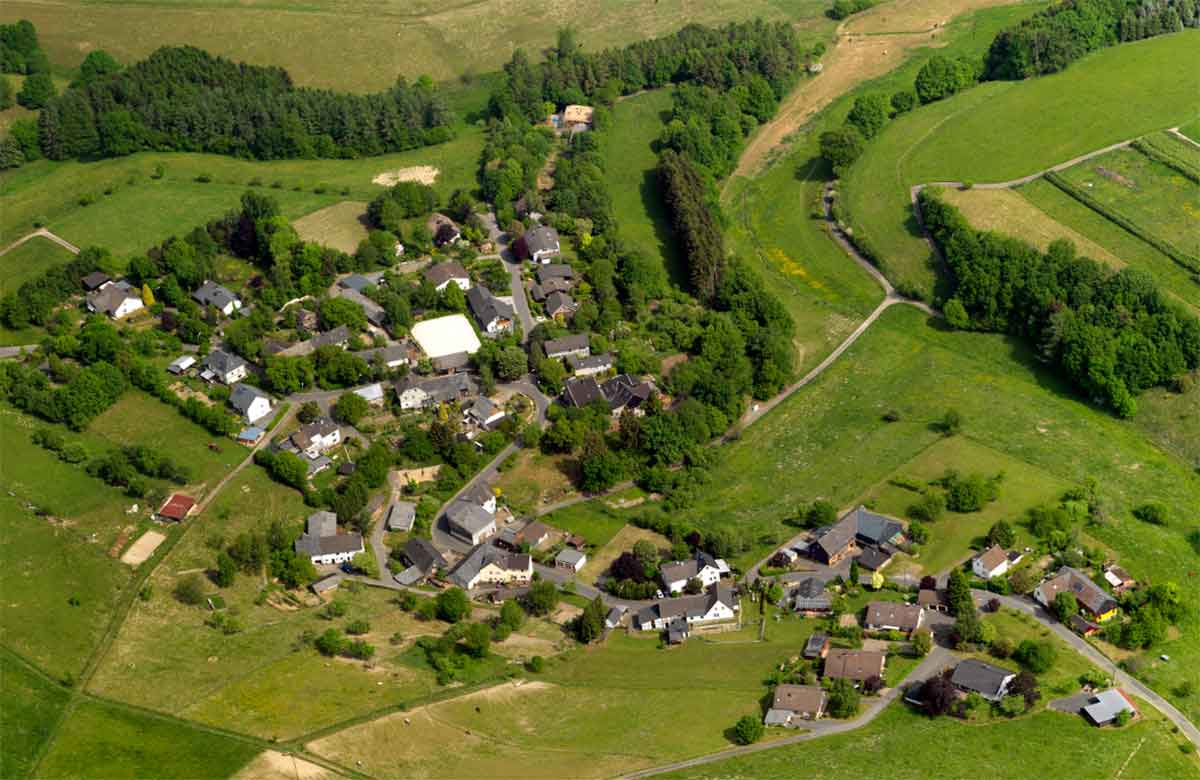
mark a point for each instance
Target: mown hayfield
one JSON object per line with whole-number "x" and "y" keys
{"x": 340, "y": 226}
{"x": 360, "y": 46}
{"x": 142, "y": 211}
{"x": 104, "y": 740}
{"x": 1156, "y": 198}
{"x": 30, "y": 707}
{"x": 1000, "y": 131}
{"x": 29, "y": 260}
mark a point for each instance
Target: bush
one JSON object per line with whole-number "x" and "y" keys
{"x": 1037, "y": 657}
{"x": 358, "y": 627}
{"x": 190, "y": 590}
{"x": 452, "y": 605}
{"x": 1153, "y": 513}
{"x": 536, "y": 664}
{"x": 748, "y": 730}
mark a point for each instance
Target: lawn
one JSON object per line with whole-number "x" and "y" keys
{"x": 535, "y": 479}
{"x": 340, "y": 226}
{"x": 104, "y": 740}
{"x": 1004, "y": 130}
{"x": 363, "y": 46}
{"x": 1156, "y": 198}
{"x": 957, "y": 536}
{"x": 30, "y": 707}
{"x": 914, "y": 747}
{"x": 142, "y": 211}
{"x": 603, "y": 554}
{"x": 29, "y": 260}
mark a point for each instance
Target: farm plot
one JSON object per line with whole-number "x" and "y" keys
{"x": 340, "y": 226}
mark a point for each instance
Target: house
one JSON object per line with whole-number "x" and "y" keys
{"x": 401, "y": 516}
{"x": 857, "y": 529}
{"x": 533, "y": 534}
{"x": 875, "y": 558}
{"x": 220, "y": 298}
{"x": 717, "y": 606}
{"x": 1082, "y": 626}
{"x": 554, "y": 272}
{"x": 470, "y": 521}
{"x": 992, "y": 562}
{"x": 624, "y": 393}
{"x": 1094, "y": 600}
{"x": 570, "y": 559}
{"x": 443, "y": 336}
{"x": 810, "y": 598}
{"x": 416, "y": 392}
{"x": 579, "y": 392}
{"x": 373, "y": 311}
{"x": 933, "y": 599}
{"x": 493, "y": 315}
{"x": 251, "y": 403}
{"x": 855, "y": 665}
{"x": 795, "y": 702}
{"x": 322, "y": 543}
{"x": 251, "y": 435}
{"x": 392, "y": 356}
{"x": 423, "y": 560}
{"x": 614, "y": 616}
{"x": 317, "y": 437}
{"x": 372, "y": 394}
{"x": 224, "y": 367}
{"x": 443, "y": 229}
{"x": 177, "y": 507}
{"x": 541, "y": 291}
{"x": 480, "y": 494}
{"x": 116, "y": 299}
{"x": 576, "y": 345}
{"x": 95, "y": 280}
{"x": 483, "y": 412}
{"x": 180, "y": 365}
{"x": 575, "y": 114}
{"x": 538, "y": 244}
{"x": 326, "y": 584}
{"x": 893, "y": 616}
{"x": 1119, "y": 579}
{"x": 817, "y": 646}
{"x": 360, "y": 282}
{"x": 560, "y": 306}
{"x": 449, "y": 364}
{"x": 337, "y": 337}
{"x": 989, "y": 681}
{"x": 1106, "y": 706}
{"x": 450, "y": 272}
{"x": 488, "y": 565}
{"x": 590, "y": 365}
{"x": 678, "y": 631}
{"x": 704, "y": 567}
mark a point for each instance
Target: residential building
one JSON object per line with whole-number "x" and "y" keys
{"x": 481, "y": 494}
{"x": 719, "y": 605}
{"x": 560, "y": 306}
{"x": 614, "y": 616}
{"x": 488, "y": 565}
{"x": 933, "y": 599}
{"x": 422, "y": 559}
{"x": 116, "y": 299}
{"x": 493, "y": 315}
{"x": 450, "y": 272}
{"x": 533, "y": 534}
{"x": 177, "y": 507}
{"x": 855, "y": 665}
{"x": 470, "y": 521}
{"x": 1096, "y": 603}
{"x": 415, "y": 392}
{"x": 570, "y": 559}
{"x": 574, "y": 115}
{"x": 538, "y": 244}
{"x": 392, "y": 356}
{"x": 554, "y": 272}
{"x": 817, "y": 646}
{"x": 322, "y": 543}
{"x": 810, "y": 598}
{"x": 992, "y": 562}
{"x": 624, "y": 393}
{"x": 579, "y": 392}
{"x": 483, "y": 412}
{"x": 450, "y": 364}
{"x": 360, "y": 282}
{"x": 704, "y": 567}
{"x": 1082, "y": 626}
{"x": 875, "y": 558}
{"x": 989, "y": 681}
{"x": 401, "y": 515}
{"x": 220, "y": 298}
{"x": 791, "y": 703}
{"x": 1106, "y": 706}
{"x": 180, "y": 365}
{"x": 317, "y": 437}
{"x": 541, "y": 291}
{"x": 252, "y": 403}
{"x": 250, "y": 435}
{"x": 337, "y": 337}
{"x": 575, "y": 345}
{"x": 224, "y": 367}
{"x": 857, "y": 529}
{"x": 94, "y": 281}
{"x": 893, "y": 616}
{"x": 592, "y": 365}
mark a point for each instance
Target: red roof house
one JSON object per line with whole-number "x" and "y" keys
{"x": 177, "y": 507}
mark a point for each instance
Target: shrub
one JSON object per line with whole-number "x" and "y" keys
{"x": 190, "y": 590}
{"x": 536, "y": 664}
{"x": 358, "y": 627}
{"x": 1153, "y": 513}
{"x": 748, "y": 730}
{"x": 1037, "y": 657}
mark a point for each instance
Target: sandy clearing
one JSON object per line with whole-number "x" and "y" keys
{"x": 273, "y": 765}
{"x": 426, "y": 174}
{"x": 143, "y": 548}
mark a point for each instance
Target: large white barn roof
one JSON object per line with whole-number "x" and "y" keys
{"x": 446, "y": 336}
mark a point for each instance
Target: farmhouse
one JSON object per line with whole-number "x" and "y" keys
{"x": 719, "y": 605}
{"x": 856, "y": 529}
{"x": 401, "y": 515}
{"x": 116, "y": 299}
{"x": 1094, "y": 600}
{"x": 993, "y": 562}
{"x": 590, "y": 365}
{"x": 176, "y": 507}
{"x": 493, "y": 315}
{"x": 470, "y": 521}
{"x": 415, "y": 392}
{"x": 570, "y": 559}
{"x": 181, "y": 364}
{"x": 224, "y": 367}
{"x": 704, "y": 567}
{"x": 892, "y": 616}
{"x": 445, "y": 336}
{"x": 251, "y": 403}
{"x": 795, "y": 702}
{"x": 488, "y": 565}
{"x": 1106, "y": 706}
{"x": 575, "y": 345}
{"x": 322, "y": 543}
{"x": 810, "y": 598}
{"x": 989, "y": 681}
{"x": 856, "y": 665}
{"x": 538, "y": 244}
{"x": 220, "y": 298}
{"x": 450, "y": 272}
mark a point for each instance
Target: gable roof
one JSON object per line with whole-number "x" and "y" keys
{"x": 422, "y": 554}
{"x": 981, "y": 677}
{"x": 356, "y": 282}
{"x": 553, "y": 271}
{"x": 110, "y": 297}
{"x": 624, "y": 392}
{"x": 592, "y": 362}
{"x": 469, "y": 516}
{"x": 469, "y": 567}
{"x": 223, "y": 362}
{"x": 371, "y": 392}
{"x": 581, "y": 392}
{"x": 680, "y": 570}
{"x": 329, "y": 545}
{"x": 1088, "y": 593}
{"x": 540, "y": 239}
{"x": 479, "y": 493}
{"x": 862, "y": 524}
{"x": 890, "y": 613}
{"x": 441, "y": 273}
{"x": 212, "y": 294}
{"x": 570, "y": 556}
{"x": 243, "y": 395}
{"x": 372, "y": 310}
{"x": 177, "y": 506}
{"x": 853, "y": 664}
{"x": 875, "y": 558}
{"x": 95, "y": 280}
{"x": 559, "y": 301}
{"x": 321, "y": 523}
{"x": 814, "y": 645}
{"x": 684, "y": 607}
{"x": 439, "y": 388}
{"x": 487, "y": 307}
{"x": 565, "y": 344}
{"x": 401, "y": 515}
{"x": 992, "y": 557}
{"x": 799, "y": 698}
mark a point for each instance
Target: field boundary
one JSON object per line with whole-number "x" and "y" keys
{"x": 41, "y": 233}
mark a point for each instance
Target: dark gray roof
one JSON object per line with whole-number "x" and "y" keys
{"x": 242, "y": 395}
{"x": 561, "y": 346}
{"x": 481, "y": 556}
{"x": 581, "y": 392}
{"x": 329, "y": 545}
{"x": 373, "y": 311}
{"x": 439, "y": 388}
{"x": 687, "y": 606}
{"x": 487, "y": 307}
{"x": 875, "y": 558}
{"x": 385, "y": 355}
{"x": 468, "y": 516}
{"x": 814, "y": 645}
{"x": 1088, "y": 593}
{"x": 212, "y": 294}
{"x": 554, "y": 271}
{"x": 451, "y": 362}
{"x": 810, "y": 594}
{"x": 422, "y": 554}
{"x": 356, "y": 282}
{"x": 541, "y": 239}
{"x": 441, "y": 273}
{"x": 557, "y": 301}
{"x": 981, "y": 677}
{"x": 223, "y": 362}
{"x": 602, "y": 362}
{"x": 891, "y": 613}
{"x": 479, "y": 493}
{"x": 111, "y": 296}
{"x": 95, "y": 279}
{"x": 623, "y": 391}
{"x": 874, "y": 529}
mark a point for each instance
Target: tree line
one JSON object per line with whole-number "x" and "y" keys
{"x": 1111, "y": 335}
{"x": 185, "y": 99}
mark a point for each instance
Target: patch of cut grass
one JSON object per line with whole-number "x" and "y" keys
{"x": 340, "y": 226}
{"x": 602, "y": 555}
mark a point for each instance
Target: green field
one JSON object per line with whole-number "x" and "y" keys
{"x": 1156, "y": 198}
{"x": 142, "y": 211}
{"x": 1192, "y": 130}
{"x": 110, "y": 741}
{"x": 29, "y": 260}
{"x": 1109, "y": 96}
{"x": 362, "y": 46}
{"x": 595, "y": 521}
{"x": 30, "y": 708}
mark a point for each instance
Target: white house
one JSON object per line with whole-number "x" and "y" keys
{"x": 989, "y": 681}
{"x": 570, "y": 559}
{"x": 317, "y": 437}
{"x": 717, "y": 606}
{"x": 703, "y": 567}
{"x": 451, "y": 272}
{"x": 220, "y": 298}
{"x": 116, "y": 299}
{"x": 416, "y": 392}
{"x": 483, "y": 412}
{"x": 489, "y": 565}
{"x": 470, "y": 521}
{"x": 493, "y": 315}
{"x": 538, "y": 244}
{"x": 992, "y": 562}
{"x": 322, "y": 543}
{"x": 592, "y": 365}
{"x": 252, "y": 403}
{"x": 224, "y": 367}
{"x": 576, "y": 345}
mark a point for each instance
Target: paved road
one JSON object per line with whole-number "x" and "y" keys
{"x": 44, "y": 233}
{"x": 12, "y": 352}
{"x": 514, "y": 267}
{"x": 938, "y": 659}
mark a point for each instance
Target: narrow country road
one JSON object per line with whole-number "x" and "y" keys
{"x": 514, "y": 267}
{"x": 204, "y": 502}
{"x": 1175, "y": 132}
{"x": 43, "y": 233}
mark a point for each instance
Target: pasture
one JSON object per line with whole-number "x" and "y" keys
{"x": 28, "y": 260}
{"x": 361, "y": 46}
{"x": 31, "y": 707}
{"x": 1020, "y": 128}
{"x": 340, "y": 226}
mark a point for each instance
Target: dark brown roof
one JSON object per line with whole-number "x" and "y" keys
{"x": 799, "y": 698}
{"x": 853, "y": 664}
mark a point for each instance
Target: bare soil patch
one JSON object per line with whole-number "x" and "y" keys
{"x": 426, "y": 174}
{"x": 273, "y": 765}
{"x": 141, "y": 550}
{"x": 404, "y": 476}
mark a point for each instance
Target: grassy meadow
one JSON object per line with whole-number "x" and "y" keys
{"x": 1109, "y": 96}
{"x": 30, "y": 709}
{"x": 23, "y": 263}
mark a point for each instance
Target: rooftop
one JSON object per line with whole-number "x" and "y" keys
{"x": 446, "y": 336}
